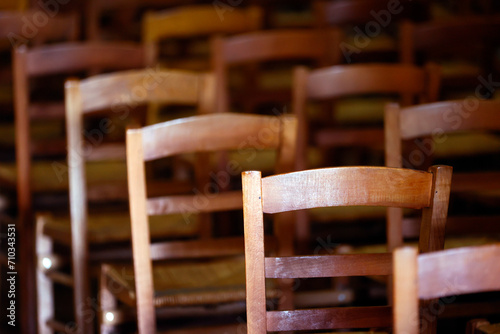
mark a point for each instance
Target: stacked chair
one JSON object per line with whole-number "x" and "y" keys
{"x": 176, "y": 186}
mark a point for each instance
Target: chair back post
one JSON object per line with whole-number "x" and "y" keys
{"x": 299, "y": 97}
{"x": 140, "y": 232}
{"x": 405, "y": 286}
{"x": 77, "y": 198}
{"x": 254, "y": 244}
{"x": 433, "y": 224}
{"x": 220, "y": 72}
{"x": 394, "y": 217}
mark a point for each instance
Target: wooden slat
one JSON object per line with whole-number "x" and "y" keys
{"x": 449, "y": 116}
{"x": 75, "y": 57}
{"x": 329, "y": 265}
{"x": 195, "y": 203}
{"x": 460, "y": 271}
{"x": 329, "y": 318}
{"x": 161, "y": 86}
{"x": 47, "y": 110}
{"x": 57, "y": 326}
{"x": 358, "y": 79}
{"x": 212, "y": 134}
{"x": 457, "y": 225}
{"x": 61, "y": 278}
{"x": 477, "y": 181}
{"x": 354, "y": 137}
{"x": 387, "y": 187}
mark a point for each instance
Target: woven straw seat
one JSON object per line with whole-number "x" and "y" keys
{"x": 53, "y": 175}
{"x": 115, "y": 227}
{"x": 190, "y": 283}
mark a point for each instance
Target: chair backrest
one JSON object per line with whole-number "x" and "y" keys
{"x": 347, "y": 80}
{"x": 20, "y": 28}
{"x": 198, "y": 21}
{"x": 343, "y": 186}
{"x": 346, "y": 12}
{"x": 254, "y": 47}
{"x": 439, "y": 275}
{"x": 197, "y": 134}
{"x": 95, "y": 9}
{"x": 63, "y": 58}
{"x": 13, "y": 5}
{"x": 444, "y": 36}
{"x": 432, "y": 122}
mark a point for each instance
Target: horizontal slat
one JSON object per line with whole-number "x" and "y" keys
{"x": 465, "y": 225}
{"x": 47, "y": 110}
{"x": 338, "y": 137}
{"x": 196, "y": 203}
{"x": 329, "y": 265}
{"x": 108, "y": 151}
{"x": 57, "y": 326}
{"x": 370, "y": 186}
{"x": 479, "y": 181}
{"x": 329, "y": 318}
{"x": 202, "y": 248}
{"x": 61, "y": 278}
{"x": 460, "y": 271}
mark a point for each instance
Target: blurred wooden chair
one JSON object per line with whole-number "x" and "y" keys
{"x": 211, "y": 278}
{"x": 124, "y": 17}
{"x": 343, "y": 186}
{"x": 194, "y": 22}
{"x": 14, "y": 5}
{"x": 438, "y": 128}
{"x": 369, "y": 26}
{"x": 17, "y": 28}
{"x": 438, "y": 275}
{"x": 463, "y": 46}
{"x": 407, "y": 83}
{"x": 482, "y": 326}
{"x": 102, "y": 234}
{"x": 255, "y": 49}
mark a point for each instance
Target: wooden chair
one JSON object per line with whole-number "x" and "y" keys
{"x": 218, "y": 279}
{"x": 191, "y": 22}
{"x": 429, "y": 126}
{"x": 463, "y": 46}
{"x": 123, "y": 14}
{"x": 100, "y": 235}
{"x": 343, "y": 81}
{"x": 343, "y": 186}
{"x": 19, "y": 5}
{"x": 266, "y": 46}
{"x": 438, "y": 275}
{"x": 18, "y": 28}
{"x": 368, "y": 25}
{"x": 482, "y": 326}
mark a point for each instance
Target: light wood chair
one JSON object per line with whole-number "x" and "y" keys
{"x": 211, "y": 278}
{"x": 100, "y": 235}
{"x": 443, "y": 274}
{"x": 431, "y": 125}
{"x": 342, "y": 186}
{"x": 192, "y": 22}
{"x": 256, "y": 48}
{"x": 333, "y": 83}
{"x": 463, "y": 46}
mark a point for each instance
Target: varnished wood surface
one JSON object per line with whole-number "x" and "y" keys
{"x": 402, "y": 187}
{"x": 439, "y": 274}
{"x": 331, "y": 266}
{"x": 209, "y": 134}
{"x": 329, "y": 318}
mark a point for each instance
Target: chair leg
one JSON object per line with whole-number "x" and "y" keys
{"x": 45, "y": 287}
{"x": 107, "y": 303}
